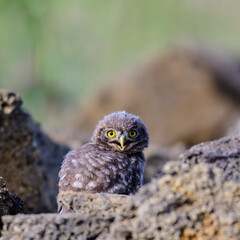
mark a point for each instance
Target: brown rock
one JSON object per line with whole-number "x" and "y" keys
{"x": 177, "y": 96}
{"x": 29, "y": 160}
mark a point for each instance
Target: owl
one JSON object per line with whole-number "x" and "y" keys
{"x": 112, "y": 162}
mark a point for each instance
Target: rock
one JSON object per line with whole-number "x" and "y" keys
{"x": 30, "y": 160}
{"x": 10, "y": 204}
{"x": 89, "y": 215}
{"x": 223, "y": 153}
{"x": 186, "y": 203}
{"x": 87, "y": 203}
{"x": 69, "y": 226}
{"x": 178, "y": 96}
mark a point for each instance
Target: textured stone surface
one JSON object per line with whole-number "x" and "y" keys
{"x": 88, "y": 203}
{"x": 29, "y": 160}
{"x": 223, "y": 153}
{"x": 186, "y": 203}
{"x": 89, "y": 215}
{"x": 69, "y": 226}
{"x": 178, "y": 96}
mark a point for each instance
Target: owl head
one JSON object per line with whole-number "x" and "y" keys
{"x": 121, "y": 132}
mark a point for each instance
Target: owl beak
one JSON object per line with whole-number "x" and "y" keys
{"x": 122, "y": 141}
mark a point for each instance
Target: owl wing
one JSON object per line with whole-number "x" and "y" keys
{"x": 92, "y": 170}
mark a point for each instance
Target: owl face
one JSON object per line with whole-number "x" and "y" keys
{"x": 122, "y": 132}
{"x": 121, "y": 140}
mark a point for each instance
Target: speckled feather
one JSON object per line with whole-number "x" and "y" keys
{"x": 101, "y": 167}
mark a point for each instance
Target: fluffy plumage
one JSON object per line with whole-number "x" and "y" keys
{"x": 112, "y": 161}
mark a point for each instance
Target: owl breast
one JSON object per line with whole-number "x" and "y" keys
{"x": 89, "y": 169}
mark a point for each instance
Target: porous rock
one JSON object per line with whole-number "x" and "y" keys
{"x": 29, "y": 159}
{"x": 69, "y": 226}
{"x": 181, "y": 97}
{"x": 186, "y": 203}
{"x": 86, "y": 216}
{"x": 88, "y": 203}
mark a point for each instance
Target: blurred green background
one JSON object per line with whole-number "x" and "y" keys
{"x": 55, "y": 53}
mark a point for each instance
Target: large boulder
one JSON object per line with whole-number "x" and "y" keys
{"x": 29, "y": 159}
{"x": 183, "y": 96}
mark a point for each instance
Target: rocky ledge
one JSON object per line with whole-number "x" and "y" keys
{"x": 192, "y": 199}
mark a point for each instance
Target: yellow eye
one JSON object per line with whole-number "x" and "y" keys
{"x": 132, "y": 133}
{"x": 111, "y": 133}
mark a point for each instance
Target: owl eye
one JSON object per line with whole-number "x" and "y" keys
{"x": 111, "y": 134}
{"x": 132, "y": 133}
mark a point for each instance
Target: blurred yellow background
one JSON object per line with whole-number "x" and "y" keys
{"x": 56, "y": 53}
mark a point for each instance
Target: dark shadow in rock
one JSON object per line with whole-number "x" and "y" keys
{"x": 10, "y": 204}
